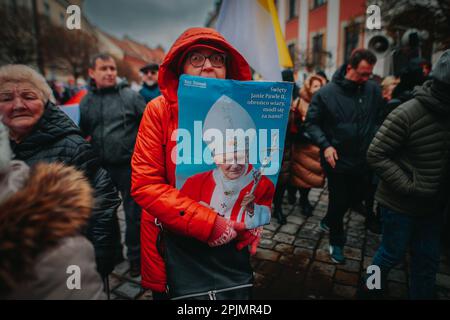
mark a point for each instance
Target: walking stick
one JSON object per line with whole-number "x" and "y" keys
{"x": 106, "y": 284}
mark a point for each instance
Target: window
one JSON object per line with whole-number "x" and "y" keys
{"x": 47, "y": 9}
{"x": 292, "y": 9}
{"x": 14, "y": 4}
{"x": 10, "y": 6}
{"x": 317, "y": 46}
{"x": 318, "y": 3}
{"x": 351, "y": 38}
{"x": 23, "y": 3}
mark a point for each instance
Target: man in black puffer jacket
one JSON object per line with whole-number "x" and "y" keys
{"x": 411, "y": 155}
{"x": 55, "y": 138}
{"x": 342, "y": 120}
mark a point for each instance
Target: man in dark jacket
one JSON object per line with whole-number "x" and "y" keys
{"x": 410, "y": 154}
{"x": 150, "y": 88}
{"x": 342, "y": 120}
{"x": 110, "y": 114}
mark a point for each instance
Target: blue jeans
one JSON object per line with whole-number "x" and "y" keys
{"x": 422, "y": 234}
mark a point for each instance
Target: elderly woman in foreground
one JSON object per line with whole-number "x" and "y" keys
{"x": 40, "y": 132}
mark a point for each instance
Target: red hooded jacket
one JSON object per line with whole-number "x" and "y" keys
{"x": 153, "y": 172}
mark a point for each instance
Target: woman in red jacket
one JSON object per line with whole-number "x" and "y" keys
{"x": 177, "y": 233}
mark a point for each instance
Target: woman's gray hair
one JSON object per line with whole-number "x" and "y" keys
{"x": 19, "y": 73}
{"x": 5, "y": 148}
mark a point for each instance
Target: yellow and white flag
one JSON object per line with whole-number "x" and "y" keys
{"x": 252, "y": 27}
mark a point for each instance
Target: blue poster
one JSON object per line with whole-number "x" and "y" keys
{"x": 230, "y": 141}
{"x": 73, "y": 111}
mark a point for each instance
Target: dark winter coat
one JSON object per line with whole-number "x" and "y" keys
{"x": 306, "y": 170}
{"x": 56, "y": 138}
{"x": 344, "y": 115}
{"x": 111, "y": 117}
{"x": 149, "y": 92}
{"x": 410, "y": 153}
{"x": 40, "y": 238}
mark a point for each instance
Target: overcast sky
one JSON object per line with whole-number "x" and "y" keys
{"x": 151, "y": 22}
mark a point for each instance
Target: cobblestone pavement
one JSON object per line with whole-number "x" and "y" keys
{"x": 292, "y": 261}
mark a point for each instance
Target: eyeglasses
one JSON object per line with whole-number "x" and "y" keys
{"x": 198, "y": 60}
{"x": 152, "y": 72}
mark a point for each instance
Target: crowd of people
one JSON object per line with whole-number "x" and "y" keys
{"x": 61, "y": 184}
{"x": 63, "y": 92}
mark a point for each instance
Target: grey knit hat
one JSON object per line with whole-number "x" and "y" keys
{"x": 441, "y": 70}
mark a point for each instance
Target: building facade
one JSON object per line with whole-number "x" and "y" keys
{"x": 48, "y": 13}
{"x": 321, "y": 34}
{"x": 130, "y": 54}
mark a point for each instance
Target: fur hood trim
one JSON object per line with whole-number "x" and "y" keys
{"x": 54, "y": 203}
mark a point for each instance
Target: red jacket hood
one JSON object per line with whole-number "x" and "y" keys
{"x": 237, "y": 67}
